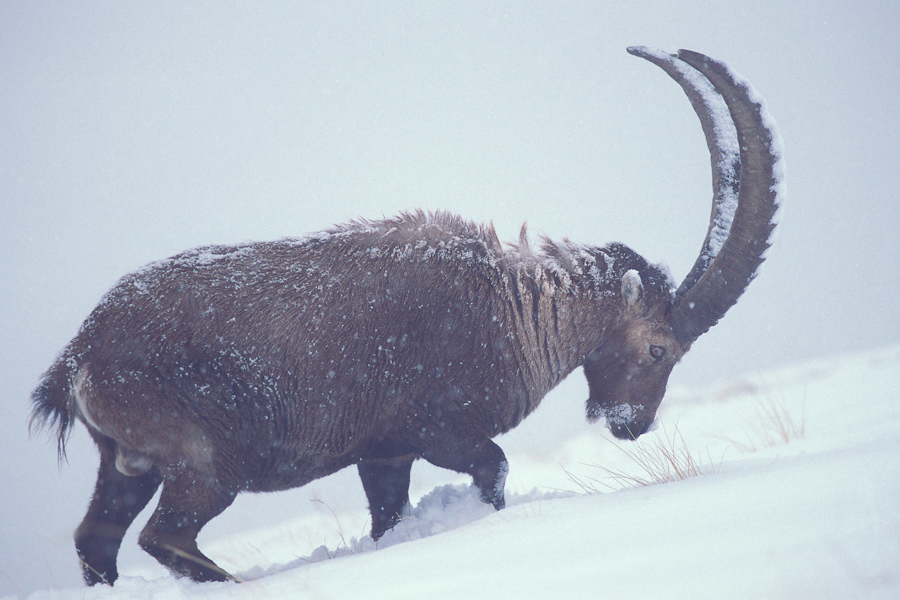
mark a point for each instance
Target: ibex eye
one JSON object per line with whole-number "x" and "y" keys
{"x": 657, "y": 352}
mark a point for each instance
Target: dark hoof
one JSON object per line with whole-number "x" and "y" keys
{"x": 384, "y": 524}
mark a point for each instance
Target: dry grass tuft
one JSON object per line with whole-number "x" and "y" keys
{"x": 779, "y": 423}
{"x": 664, "y": 459}
{"x": 343, "y": 549}
{"x": 774, "y": 426}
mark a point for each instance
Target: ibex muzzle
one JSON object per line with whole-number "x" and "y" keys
{"x": 263, "y": 366}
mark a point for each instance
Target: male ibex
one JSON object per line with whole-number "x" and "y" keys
{"x": 263, "y": 366}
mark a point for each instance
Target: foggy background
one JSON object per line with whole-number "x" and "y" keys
{"x": 132, "y": 131}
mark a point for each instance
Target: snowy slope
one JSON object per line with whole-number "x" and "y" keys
{"x": 800, "y": 498}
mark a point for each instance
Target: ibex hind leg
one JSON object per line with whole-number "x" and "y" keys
{"x": 117, "y": 501}
{"x": 386, "y": 484}
{"x": 187, "y": 503}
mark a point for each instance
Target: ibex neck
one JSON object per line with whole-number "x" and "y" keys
{"x": 555, "y": 318}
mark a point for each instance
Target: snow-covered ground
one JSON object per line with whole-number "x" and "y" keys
{"x": 799, "y": 498}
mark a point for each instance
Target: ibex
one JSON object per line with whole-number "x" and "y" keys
{"x": 264, "y": 366}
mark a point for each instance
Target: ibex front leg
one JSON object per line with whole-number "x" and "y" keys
{"x": 483, "y": 460}
{"x": 387, "y": 488}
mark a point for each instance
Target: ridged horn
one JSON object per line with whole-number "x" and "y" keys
{"x": 748, "y": 187}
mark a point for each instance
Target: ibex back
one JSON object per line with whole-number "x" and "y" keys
{"x": 263, "y": 366}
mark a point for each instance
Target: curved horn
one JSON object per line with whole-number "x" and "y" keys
{"x": 748, "y": 176}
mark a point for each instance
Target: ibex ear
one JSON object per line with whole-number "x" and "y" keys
{"x": 632, "y": 287}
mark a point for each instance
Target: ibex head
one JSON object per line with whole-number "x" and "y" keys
{"x": 627, "y": 376}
